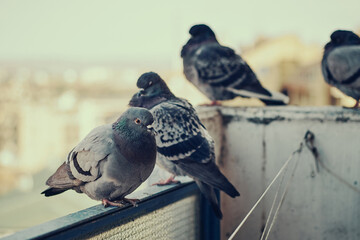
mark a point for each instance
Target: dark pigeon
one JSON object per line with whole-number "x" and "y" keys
{"x": 111, "y": 161}
{"x": 219, "y": 72}
{"x": 184, "y": 146}
{"x": 341, "y": 63}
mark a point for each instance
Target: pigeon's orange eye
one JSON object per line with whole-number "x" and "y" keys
{"x": 137, "y": 121}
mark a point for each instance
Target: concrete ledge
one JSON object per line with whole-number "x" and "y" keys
{"x": 266, "y": 115}
{"x": 256, "y": 142}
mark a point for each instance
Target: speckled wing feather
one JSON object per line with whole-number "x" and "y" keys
{"x": 222, "y": 74}
{"x": 180, "y": 133}
{"x": 219, "y": 66}
{"x": 184, "y": 141}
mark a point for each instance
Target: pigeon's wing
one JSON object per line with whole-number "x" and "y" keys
{"x": 84, "y": 159}
{"x": 180, "y": 134}
{"x": 343, "y": 65}
{"x": 220, "y": 66}
{"x": 61, "y": 181}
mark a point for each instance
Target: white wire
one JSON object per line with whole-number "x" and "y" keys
{"x": 282, "y": 198}
{"x": 272, "y": 206}
{"x": 264, "y": 193}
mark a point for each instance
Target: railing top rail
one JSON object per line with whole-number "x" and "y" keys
{"x": 97, "y": 217}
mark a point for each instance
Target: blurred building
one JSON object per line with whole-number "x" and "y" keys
{"x": 287, "y": 64}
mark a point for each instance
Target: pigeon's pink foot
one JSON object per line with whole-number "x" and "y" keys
{"x": 107, "y": 203}
{"x": 120, "y": 203}
{"x": 168, "y": 181}
{"x": 213, "y": 103}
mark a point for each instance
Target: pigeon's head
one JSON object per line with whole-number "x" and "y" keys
{"x": 201, "y": 30}
{"x": 153, "y": 90}
{"x": 200, "y": 34}
{"x": 134, "y": 120}
{"x": 343, "y": 37}
{"x": 149, "y": 80}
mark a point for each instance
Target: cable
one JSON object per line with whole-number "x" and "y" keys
{"x": 266, "y": 190}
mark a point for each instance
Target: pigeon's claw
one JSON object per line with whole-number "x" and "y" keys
{"x": 168, "y": 181}
{"x": 107, "y": 203}
{"x": 120, "y": 203}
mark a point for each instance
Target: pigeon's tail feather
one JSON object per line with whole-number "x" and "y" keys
{"x": 211, "y": 175}
{"x": 222, "y": 183}
{"x": 210, "y": 195}
{"x": 63, "y": 178}
{"x": 61, "y": 181}
{"x": 275, "y": 98}
{"x": 53, "y": 191}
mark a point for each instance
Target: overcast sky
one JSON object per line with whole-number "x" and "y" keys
{"x": 83, "y": 30}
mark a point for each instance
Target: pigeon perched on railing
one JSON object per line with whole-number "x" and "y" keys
{"x": 111, "y": 161}
{"x": 341, "y": 63}
{"x": 219, "y": 72}
{"x": 184, "y": 146}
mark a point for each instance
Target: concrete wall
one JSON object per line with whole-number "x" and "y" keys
{"x": 254, "y": 143}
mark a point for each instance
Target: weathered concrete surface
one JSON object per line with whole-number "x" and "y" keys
{"x": 256, "y": 142}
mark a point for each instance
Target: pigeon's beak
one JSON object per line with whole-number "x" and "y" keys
{"x": 151, "y": 129}
{"x": 141, "y": 92}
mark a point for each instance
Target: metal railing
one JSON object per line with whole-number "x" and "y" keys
{"x": 169, "y": 212}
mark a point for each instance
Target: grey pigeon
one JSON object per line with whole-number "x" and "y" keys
{"x": 111, "y": 161}
{"x": 219, "y": 72}
{"x": 184, "y": 146}
{"x": 341, "y": 63}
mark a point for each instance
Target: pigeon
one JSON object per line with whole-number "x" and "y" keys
{"x": 219, "y": 73}
{"x": 341, "y": 63}
{"x": 184, "y": 146}
{"x": 111, "y": 161}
